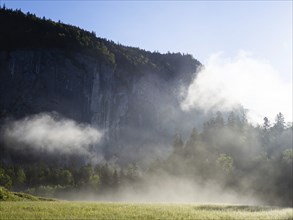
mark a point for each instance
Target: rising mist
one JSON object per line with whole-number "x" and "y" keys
{"x": 148, "y": 127}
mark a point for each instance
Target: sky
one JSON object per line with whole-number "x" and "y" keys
{"x": 262, "y": 29}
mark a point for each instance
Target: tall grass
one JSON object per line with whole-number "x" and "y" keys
{"x": 92, "y": 210}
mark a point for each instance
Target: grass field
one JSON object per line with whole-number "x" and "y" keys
{"x": 94, "y": 210}
{"x": 17, "y": 206}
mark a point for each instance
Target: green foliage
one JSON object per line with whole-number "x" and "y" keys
{"x": 266, "y": 124}
{"x": 26, "y": 31}
{"x": 225, "y": 162}
{"x": 279, "y": 122}
{"x": 5, "y": 179}
{"x": 240, "y": 151}
{"x": 132, "y": 172}
{"x": 55, "y": 181}
{"x": 288, "y": 156}
{"x": 46, "y": 190}
{"x": 65, "y": 178}
{"x": 20, "y": 177}
{"x": 6, "y": 195}
{"x": 94, "y": 181}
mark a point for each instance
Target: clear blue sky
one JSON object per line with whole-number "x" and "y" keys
{"x": 196, "y": 27}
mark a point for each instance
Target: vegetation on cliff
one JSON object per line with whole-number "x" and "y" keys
{"x": 227, "y": 150}
{"x": 27, "y": 31}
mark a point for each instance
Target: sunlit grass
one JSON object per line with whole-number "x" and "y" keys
{"x": 92, "y": 210}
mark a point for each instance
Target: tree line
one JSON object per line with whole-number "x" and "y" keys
{"x": 43, "y": 180}
{"x": 237, "y": 155}
{"x": 228, "y": 150}
{"x": 27, "y": 31}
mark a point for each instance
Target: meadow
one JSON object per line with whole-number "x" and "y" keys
{"x": 99, "y": 210}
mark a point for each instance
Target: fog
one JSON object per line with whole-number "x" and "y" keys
{"x": 166, "y": 188}
{"x": 225, "y": 83}
{"x": 50, "y": 133}
{"x": 224, "y": 160}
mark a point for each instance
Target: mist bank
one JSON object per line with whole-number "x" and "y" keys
{"x": 47, "y": 137}
{"x": 135, "y": 125}
{"x": 228, "y": 161}
{"x": 49, "y": 133}
{"x": 226, "y": 83}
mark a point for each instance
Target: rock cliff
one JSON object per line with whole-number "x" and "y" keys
{"x": 134, "y": 98}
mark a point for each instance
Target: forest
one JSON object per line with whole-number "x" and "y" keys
{"x": 27, "y": 31}
{"x": 226, "y": 150}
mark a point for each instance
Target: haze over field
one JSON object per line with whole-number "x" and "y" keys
{"x": 85, "y": 118}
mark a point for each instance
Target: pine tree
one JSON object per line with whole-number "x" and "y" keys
{"x": 279, "y": 122}
{"x": 219, "y": 120}
{"x": 266, "y": 124}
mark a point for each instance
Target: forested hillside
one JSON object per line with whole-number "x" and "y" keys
{"x": 50, "y": 67}
{"x": 26, "y": 31}
{"x": 61, "y": 87}
{"x": 255, "y": 162}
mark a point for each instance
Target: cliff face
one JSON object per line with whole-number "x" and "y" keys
{"x": 34, "y": 81}
{"x": 134, "y": 109}
{"x": 134, "y": 98}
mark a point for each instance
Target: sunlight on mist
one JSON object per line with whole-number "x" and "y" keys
{"x": 51, "y": 133}
{"x": 225, "y": 83}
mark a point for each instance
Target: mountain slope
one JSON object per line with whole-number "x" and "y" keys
{"x": 130, "y": 93}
